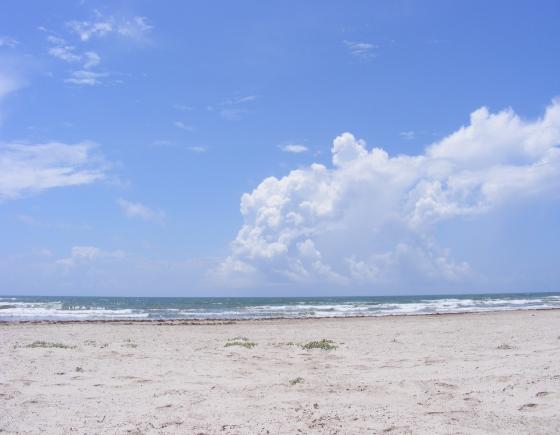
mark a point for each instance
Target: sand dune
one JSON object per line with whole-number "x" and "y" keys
{"x": 474, "y": 373}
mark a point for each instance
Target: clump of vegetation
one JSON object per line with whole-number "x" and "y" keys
{"x": 323, "y": 344}
{"x": 79, "y": 369}
{"x": 49, "y": 345}
{"x": 504, "y": 347}
{"x": 240, "y": 341}
{"x": 297, "y": 380}
{"x": 284, "y": 343}
{"x": 129, "y": 343}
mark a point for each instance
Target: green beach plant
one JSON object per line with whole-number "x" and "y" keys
{"x": 323, "y": 344}
{"x": 240, "y": 341}
{"x": 298, "y": 380}
{"x": 49, "y": 345}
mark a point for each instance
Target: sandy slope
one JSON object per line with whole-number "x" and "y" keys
{"x": 475, "y": 373}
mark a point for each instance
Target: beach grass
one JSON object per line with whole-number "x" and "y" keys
{"x": 323, "y": 344}
{"x": 49, "y": 345}
{"x": 298, "y": 380}
{"x": 240, "y": 341}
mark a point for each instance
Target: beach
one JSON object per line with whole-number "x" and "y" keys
{"x": 475, "y": 373}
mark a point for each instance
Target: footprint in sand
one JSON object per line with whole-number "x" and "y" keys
{"x": 528, "y": 407}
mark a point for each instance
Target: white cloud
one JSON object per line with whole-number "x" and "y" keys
{"x": 238, "y": 100}
{"x": 7, "y": 41}
{"x": 87, "y": 29}
{"x": 369, "y": 218}
{"x": 27, "y": 169}
{"x": 83, "y": 77}
{"x": 133, "y": 28}
{"x": 198, "y": 149}
{"x": 232, "y": 108}
{"x": 361, "y": 50}
{"x": 67, "y": 53}
{"x": 81, "y": 255}
{"x": 294, "y": 148}
{"x": 408, "y": 135}
{"x": 183, "y": 107}
{"x": 91, "y": 59}
{"x": 61, "y": 50}
{"x": 140, "y": 211}
{"x": 9, "y": 83}
{"x": 183, "y": 126}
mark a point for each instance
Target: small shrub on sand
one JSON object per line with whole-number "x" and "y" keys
{"x": 49, "y": 345}
{"x": 323, "y": 344}
{"x": 297, "y": 380}
{"x": 240, "y": 341}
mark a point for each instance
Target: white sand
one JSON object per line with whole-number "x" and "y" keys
{"x": 475, "y": 373}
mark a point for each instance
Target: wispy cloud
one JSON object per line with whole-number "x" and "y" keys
{"x": 61, "y": 50}
{"x": 183, "y": 107}
{"x": 9, "y": 42}
{"x": 361, "y": 50}
{"x": 233, "y": 109}
{"x": 83, "y": 77}
{"x": 134, "y": 27}
{"x": 87, "y": 254}
{"x": 9, "y": 83}
{"x": 408, "y": 135}
{"x": 162, "y": 143}
{"x": 27, "y": 169}
{"x": 140, "y": 211}
{"x": 198, "y": 149}
{"x": 183, "y": 126}
{"x": 91, "y": 59}
{"x": 294, "y": 148}
{"x": 238, "y": 100}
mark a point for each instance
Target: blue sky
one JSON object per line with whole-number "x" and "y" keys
{"x": 137, "y": 142}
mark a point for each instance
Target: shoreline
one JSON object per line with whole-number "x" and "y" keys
{"x": 233, "y": 320}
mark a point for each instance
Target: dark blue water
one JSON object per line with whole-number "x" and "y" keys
{"x": 18, "y": 308}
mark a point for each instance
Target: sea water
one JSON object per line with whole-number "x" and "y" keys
{"x": 22, "y": 308}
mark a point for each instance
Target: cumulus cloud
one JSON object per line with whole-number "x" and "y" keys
{"x": 369, "y": 218}
{"x": 140, "y": 211}
{"x": 27, "y": 169}
{"x": 294, "y": 148}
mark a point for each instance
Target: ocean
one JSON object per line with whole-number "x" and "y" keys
{"x": 26, "y": 308}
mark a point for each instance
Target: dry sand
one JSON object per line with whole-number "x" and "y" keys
{"x": 474, "y": 373}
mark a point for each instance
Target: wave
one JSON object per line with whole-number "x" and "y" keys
{"x": 24, "y": 309}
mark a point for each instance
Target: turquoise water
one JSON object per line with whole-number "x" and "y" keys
{"x": 20, "y": 308}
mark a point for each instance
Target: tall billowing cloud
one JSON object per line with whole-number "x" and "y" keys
{"x": 369, "y": 218}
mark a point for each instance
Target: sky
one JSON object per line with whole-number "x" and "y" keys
{"x": 250, "y": 148}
